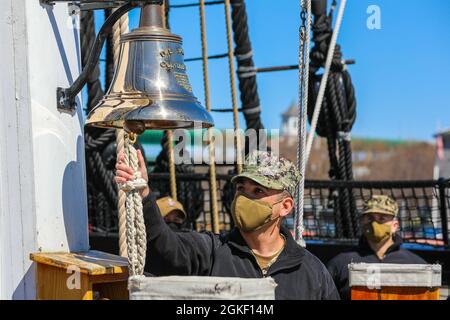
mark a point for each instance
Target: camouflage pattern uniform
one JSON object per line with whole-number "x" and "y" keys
{"x": 381, "y": 204}
{"x": 270, "y": 171}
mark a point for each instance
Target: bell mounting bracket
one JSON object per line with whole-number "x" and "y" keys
{"x": 87, "y": 5}
{"x": 65, "y": 97}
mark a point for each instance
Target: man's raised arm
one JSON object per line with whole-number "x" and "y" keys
{"x": 175, "y": 253}
{"x": 169, "y": 253}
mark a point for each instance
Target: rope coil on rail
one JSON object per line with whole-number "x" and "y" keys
{"x": 246, "y": 73}
{"x": 332, "y": 112}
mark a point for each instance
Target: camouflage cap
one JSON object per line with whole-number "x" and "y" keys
{"x": 166, "y": 205}
{"x": 381, "y": 204}
{"x": 270, "y": 171}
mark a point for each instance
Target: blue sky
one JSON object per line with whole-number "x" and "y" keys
{"x": 401, "y": 75}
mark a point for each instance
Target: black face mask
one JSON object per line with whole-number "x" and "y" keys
{"x": 174, "y": 226}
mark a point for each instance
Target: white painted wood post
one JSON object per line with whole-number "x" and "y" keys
{"x": 42, "y": 171}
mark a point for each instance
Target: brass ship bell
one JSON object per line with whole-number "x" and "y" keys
{"x": 150, "y": 88}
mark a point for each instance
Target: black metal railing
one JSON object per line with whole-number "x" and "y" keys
{"x": 423, "y": 206}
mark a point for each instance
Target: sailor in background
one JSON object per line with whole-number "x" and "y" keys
{"x": 172, "y": 212}
{"x": 379, "y": 242}
{"x": 259, "y": 246}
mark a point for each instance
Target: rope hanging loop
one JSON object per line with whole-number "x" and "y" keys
{"x": 136, "y": 237}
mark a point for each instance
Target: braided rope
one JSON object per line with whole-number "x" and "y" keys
{"x": 299, "y": 204}
{"x": 119, "y": 28}
{"x": 304, "y": 49}
{"x": 246, "y": 72}
{"x": 188, "y": 192}
{"x": 134, "y": 203}
{"x": 233, "y": 88}
{"x": 334, "y": 193}
{"x": 98, "y": 142}
{"x": 169, "y": 133}
{"x": 136, "y": 237}
{"x": 99, "y": 170}
{"x": 172, "y": 173}
{"x": 130, "y": 229}
{"x": 337, "y": 116}
{"x": 324, "y": 80}
{"x": 337, "y": 98}
{"x": 212, "y": 160}
{"x": 132, "y": 234}
{"x": 122, "y": 198}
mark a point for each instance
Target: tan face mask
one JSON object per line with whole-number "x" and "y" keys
{"x": 377, "y": 232}
{"x": 251, "y": 215}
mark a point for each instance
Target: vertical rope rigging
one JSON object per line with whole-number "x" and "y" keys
{"x": 135, "y": 216}
{"x": 187, "y": 192}
{"x": 304, "y": 48}
{"x": 169, "y": 133}
{"x": 120, "y": 28}
{"x": 212, "y": 160}
{"x": 122, "y": 197}
{"x": 231, "y": 71}
{"x": 172, "y": 174}
{"x": 132, "y": 234}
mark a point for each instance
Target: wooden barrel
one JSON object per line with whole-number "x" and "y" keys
{"x": 382, "y": 281}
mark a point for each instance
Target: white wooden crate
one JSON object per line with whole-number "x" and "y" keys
{"x": 200, "y": 288}
{"x": 394, "y": 275}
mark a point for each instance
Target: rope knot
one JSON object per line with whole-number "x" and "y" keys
{"x": 138, "y": 183}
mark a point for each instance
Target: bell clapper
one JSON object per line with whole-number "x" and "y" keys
{"x": 135, "y": 127}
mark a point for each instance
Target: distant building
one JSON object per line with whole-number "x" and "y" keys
{"x": 289, "y": 121}
{"x": 373, "y": 159}
{"x": 442, "y": 159}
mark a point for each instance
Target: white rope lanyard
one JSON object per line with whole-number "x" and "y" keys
{"x": 304, "y": 145}
{"x": 132, "y": 235}
{"x": 120, "y": 28}
{"x": 303, "y": 74}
